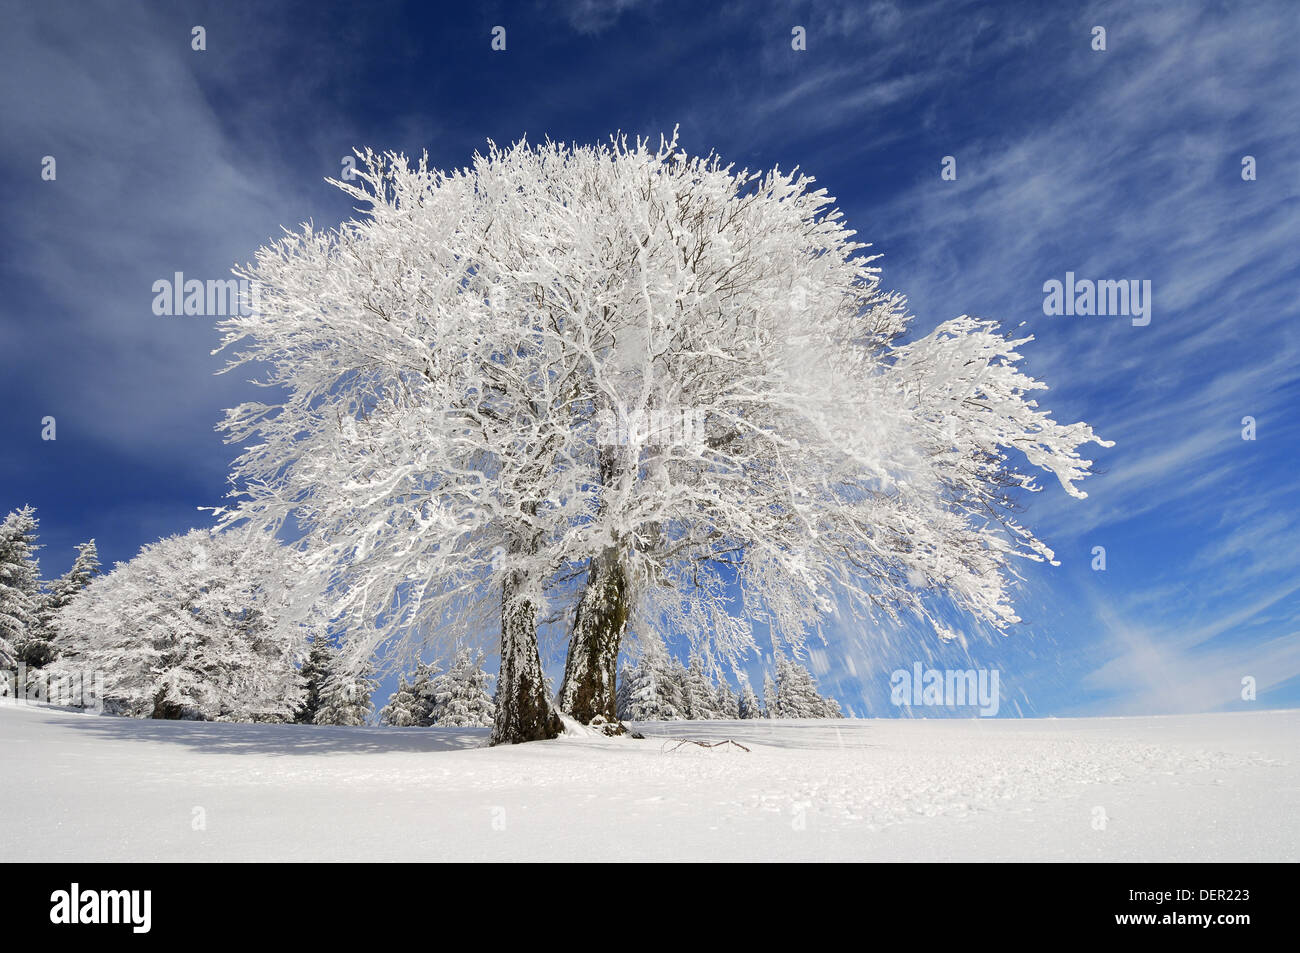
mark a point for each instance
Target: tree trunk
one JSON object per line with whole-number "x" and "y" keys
{"x": 170, "y": 711}
{"x": 523, "y": 712}
{"x": 591, "y": 671}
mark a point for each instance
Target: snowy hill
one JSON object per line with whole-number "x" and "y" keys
{"x": 1180, "y": 788}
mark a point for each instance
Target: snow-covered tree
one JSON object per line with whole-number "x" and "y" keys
{"x": 422, "y": 443}
{"x": 414, "y": 702}
{"x": 403, "y": 708}
{"x": 42, "y": 649}
{"x": 748, "y": 706}
{"x": 457, "y": 370}
{"x": 797, "y": 695}
{"x": 315, "y": 670}
{"x": 678, "y": 676}
{"x": 649, "y": 691}
{"x": 725, "y": 703}
{"x": 345, "y": 697}
{"x": 697, "y": 692}
{"x": 424, "y": 684}
{"x": 20, "y": 595}
{"x": 833, "y": 465}
{"x": 624, "y": 697}
{"x": 769, "y": 696}
{"x": 462, "y": 696}
{"x": 195, "y": 626}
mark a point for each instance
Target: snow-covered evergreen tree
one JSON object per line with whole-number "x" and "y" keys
{"x": 463, "y": 696}
{"x": 632, "y": 687}
{"x": 42, "y": 649}
{"x": 725, "y": 703}
{"x": 423, "y": 684}
{"x": 678, "y": 675}
{"x": 769, "y": 696}
{"x": 748, "y": 705}
{"x": 315, "y": 669}
{"x": 790, "y": 699}
{"x": 414, "y": 703}
{"x": 403, "y": 708}
{"x": 823, "y": 705}
{"x": 649, "y": 691}
{"x": 697, "y": 692}
{"x": 797, "y": 695}
{"x": 345, "y": 697}
{"x": 20, "y": 595}
{"x": 195, "y": 626}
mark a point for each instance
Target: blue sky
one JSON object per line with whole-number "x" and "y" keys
{"x": 1117, "y": 164}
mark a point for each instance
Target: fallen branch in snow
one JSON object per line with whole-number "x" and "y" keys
{"x": 702, "y": 744}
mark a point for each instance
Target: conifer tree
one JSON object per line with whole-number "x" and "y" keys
{"x": 725, "y": 704}
{"x": 414, "y": 703}
{"x": 797, "y": 695}
{"x": 423, "y": 684}
{"x": 748, "y": 706}
{"x": 697, "y": 693}
{"x": 649, "y": 691}
{"x": 463, "y": 696}
{"x": 403, "y": 708}
{"x": 314, "y": 671}
{"x": 346, "y": 696}
{"x": 19, "y": 584}
{"x": 43, "y": 648}
{"x": 769, "y": 697}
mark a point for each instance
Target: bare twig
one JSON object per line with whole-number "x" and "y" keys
{"x": 702, "y": 744}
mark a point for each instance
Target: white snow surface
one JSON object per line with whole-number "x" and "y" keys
{"x": 1215, "y": 787}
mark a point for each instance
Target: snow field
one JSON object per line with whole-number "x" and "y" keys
{"x": 1172, "y": 788}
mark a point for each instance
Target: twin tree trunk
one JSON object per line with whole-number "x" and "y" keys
{"x": 588, "y": 693}
{"x": 590, "y": 674}
{"x": 523, "y": 712}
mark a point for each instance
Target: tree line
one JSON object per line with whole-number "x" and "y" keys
{"x": 199, "y": 626}
{"x": 438, "y": 380}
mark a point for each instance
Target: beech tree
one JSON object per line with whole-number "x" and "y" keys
{"x": 622, "y": 388}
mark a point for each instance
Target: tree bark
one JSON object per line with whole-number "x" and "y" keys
{"x": 591, "y": 672}
{"x": 523, "y": 712}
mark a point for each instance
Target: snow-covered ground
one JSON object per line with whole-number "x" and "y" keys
{"x": 1183, "y": 788}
